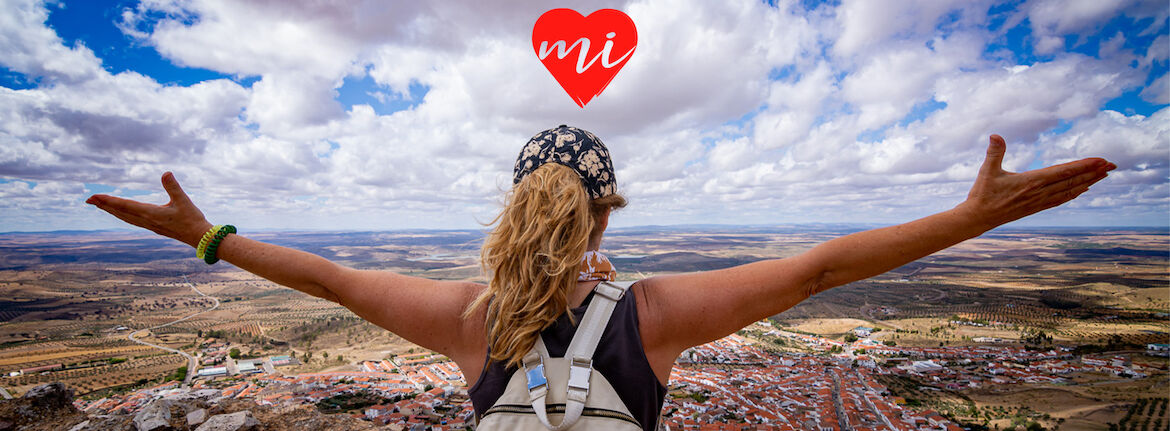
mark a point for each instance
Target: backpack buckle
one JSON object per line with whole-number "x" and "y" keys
{"x": 534, "y": 371}
{"x": 579, "y": 373}
{"x": 608, "y": 290}
{"x": 536, "y": 379}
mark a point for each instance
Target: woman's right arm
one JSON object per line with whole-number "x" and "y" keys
{"x": 714, "y": 304}
{"x": 423, "y": 311}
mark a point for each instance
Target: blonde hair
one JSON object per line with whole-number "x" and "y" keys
{"x": 532, "y": 257}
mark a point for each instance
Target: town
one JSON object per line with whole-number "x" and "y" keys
{"x": 1067, "y": 332}
{"x": 732, "y": 383}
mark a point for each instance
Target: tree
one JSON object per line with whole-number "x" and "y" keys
{"x": 234, "y": 353}
{"x": 849, "y": 338}
{"x": 179, "y": 374}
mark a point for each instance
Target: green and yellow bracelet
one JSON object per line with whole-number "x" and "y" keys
{"x": 210, "y": 242}
{"x": 202, "y": 248}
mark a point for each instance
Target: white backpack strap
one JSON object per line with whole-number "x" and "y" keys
{"x": 534, "y": 370}
{"x": 596, "y": 319}
{"x": 580, "y": 355}
{"x": 580, "y": 351}
{"x": 537, "y": 382}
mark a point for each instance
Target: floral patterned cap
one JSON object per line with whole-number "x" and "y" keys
{"x": 572, "y": 147}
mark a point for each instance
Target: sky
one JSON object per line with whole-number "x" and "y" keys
{"x": 372, "y": 114}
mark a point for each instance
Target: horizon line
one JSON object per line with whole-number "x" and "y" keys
{"x": 1163, "y": 228}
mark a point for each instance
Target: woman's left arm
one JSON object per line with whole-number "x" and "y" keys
{"x": 423, "y": 311}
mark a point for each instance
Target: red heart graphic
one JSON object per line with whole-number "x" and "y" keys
{"x": 584, "y": 53}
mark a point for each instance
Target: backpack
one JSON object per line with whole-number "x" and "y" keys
{"x": 565, "y": 393}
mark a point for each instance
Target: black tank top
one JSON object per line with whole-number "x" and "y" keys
{"x": 619, "y": 357}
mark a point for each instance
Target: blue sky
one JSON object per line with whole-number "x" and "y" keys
{"x": 369, "y": 115}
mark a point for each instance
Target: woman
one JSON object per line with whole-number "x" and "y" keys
{"x": 540, "y": 270}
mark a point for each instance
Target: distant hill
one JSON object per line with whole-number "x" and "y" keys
{"x": 681, "y": 261}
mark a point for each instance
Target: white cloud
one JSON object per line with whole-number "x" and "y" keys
{"x": 775, "y": 113}
{"x": 792, "y": 108}
{"x": 284, "y": 104}
{"x": 252, "y": 38}
{"x": 887, "y": 86}
{"x": 1052, "y": 20}
{"x": 1158, "y": 91}
{"x": 867, "y": 24}
{"x": 1022, "y": 102}
{"x": 1138, "y": 145}
{"x": 28, "y": 46}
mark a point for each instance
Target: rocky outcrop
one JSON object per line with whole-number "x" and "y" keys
{"x": 238, "y": 421}
{"x": 45, "y": 407}
{"x": 50, "y": 407}
{"x": 156, "y": 416}
{"x": 196, "y": 417}
{"x": 293, "y": 417}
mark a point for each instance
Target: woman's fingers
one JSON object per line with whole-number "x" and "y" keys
{"x": 993, "y": 163}
{"x": 1001, "y": 196}
{"x": 132, "y": 219}
{"x": 1083, "y": 179}
{"x": 113, "y": 205}
{"x": 1046, "y": 188}
{"x": 1072, "y": 176}
{"x": 127, "y": 216}
{"x": 1064, "y": 171}
{"x": 136, "y": 213}
{"x": 107, "y": 202}
{"x": 178, "y": 219}
{"x": 171, "y": 185}
{"x": 1057, "y": 199}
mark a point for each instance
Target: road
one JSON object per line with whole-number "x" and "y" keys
{"x": 842, "y": 417}
{"x": 937, "y": 299}
{"x": 873, "y": 408}
{"x": 867, "y": 311}
{"x": 191, "y": 363}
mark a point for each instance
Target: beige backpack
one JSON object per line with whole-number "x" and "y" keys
{"x": 565, "y": 393}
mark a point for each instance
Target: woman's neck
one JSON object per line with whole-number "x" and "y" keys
{"x": 579, "y": 293}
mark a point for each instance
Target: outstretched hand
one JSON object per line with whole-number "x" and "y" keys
{"x": 178, "y": 219}
{"x": 999, "y": 197}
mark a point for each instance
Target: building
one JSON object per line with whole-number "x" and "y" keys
{"x": 1158, "y": 349}
{"x": 247, "y": 367}
{"x": 988, "y": 340}
{"x": 925, "y": 367}
{"x": 213, "y": 371}
{"x": 42, "y": 368}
